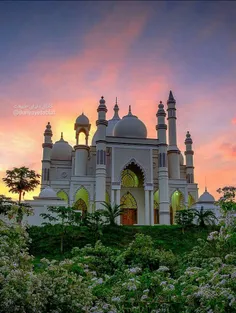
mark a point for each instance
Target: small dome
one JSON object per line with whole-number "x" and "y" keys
{"x": 61, "y": 150}
{"x": 181, "y": 159}
{"x": 130, "y": 126}
{"x": 82, "y": 120}
{"x": 48, "y": 192}
{"x": 206, "y": 197}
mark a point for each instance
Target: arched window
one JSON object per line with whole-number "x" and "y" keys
{"x": 129, "y": 179}
{"x": 63, "y": 195}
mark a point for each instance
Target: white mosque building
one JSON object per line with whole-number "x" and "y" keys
{"x": 148, "y": 176}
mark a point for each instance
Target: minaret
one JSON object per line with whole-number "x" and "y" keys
{"x": 46, "y": 161}
{"x": 101, "y": 154}
{"x": 189, "y": 159}
{"x": 164, "y": 209}
{"x": 82, "y": 125}
{"x": 173, "y": 151}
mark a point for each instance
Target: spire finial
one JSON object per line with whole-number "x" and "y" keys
{"x": 171, "y": 98}
{"x": 61, "y": 135}
{"x": 205, "y": 185}
{"x": 116, "y": 110}
{"x": 130, "y": 109}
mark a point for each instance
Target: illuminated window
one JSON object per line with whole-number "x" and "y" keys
{"x": 129, "y": 179}
{"x": 63, "y": 195}
{"x": 128, "y": 201}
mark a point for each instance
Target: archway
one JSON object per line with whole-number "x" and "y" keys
{"x": 107, "y": 198}
{"x": 177, "y": 203}
{"x": 156, "y": 207}
{"x": 81, "y": 194}
{"x": 82, "y": 137}
{"x": 191, "y": 200}
{"x": 132, "y": 182}
{"x": 80, "y": 205}
{"x": 63, "y": 196}
{"x": 129, "y": 206}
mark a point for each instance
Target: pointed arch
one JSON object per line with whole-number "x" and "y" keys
{"x": 129, "y": 206}
{"x": 107, "y": 198}
{"x": 177, "y": 203}
{"x": 63, "y": 195}
{"x": 191, "y": 200}
{"x": 82, "y": 193}
{"x": 129, "y": 163}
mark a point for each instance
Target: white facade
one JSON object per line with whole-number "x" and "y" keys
{"x": 147, "y": 175}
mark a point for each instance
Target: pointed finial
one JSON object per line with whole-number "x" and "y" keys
{"x": 116, "y": 110}
{"x": 130, "y": 109}
{"x": 171, "y": 98}
{"x": 205, "y": 185}
{"x": 61, "y": 135}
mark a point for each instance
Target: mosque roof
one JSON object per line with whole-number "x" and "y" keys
{"x": 206, "y": 197}
{"x": 82, "y": 120}
{"x": 61, "y": 150}
{"x": 130, "y": 126}
{"x": 48, "y": 192}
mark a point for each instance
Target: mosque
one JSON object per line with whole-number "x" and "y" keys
{"x": 149, "y": 176}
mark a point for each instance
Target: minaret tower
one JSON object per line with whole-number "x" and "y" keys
{"x": 173, "y": 151}
{"x": 161, "y": 128}
{"x": 101, "y": 154}
{"x": 46, "y": 161}
{"x": 82, "y": 125}
{"x": 189, "y": 159}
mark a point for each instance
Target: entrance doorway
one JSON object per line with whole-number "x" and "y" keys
{"x": 129, "y": 206}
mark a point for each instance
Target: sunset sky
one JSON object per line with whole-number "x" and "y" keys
{"x": 69, "y": 54}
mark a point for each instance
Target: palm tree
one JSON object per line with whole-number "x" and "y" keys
{"x": 21, "y": 180}
{"x": 111, "y": 212}
{"x": 204, "y": 217}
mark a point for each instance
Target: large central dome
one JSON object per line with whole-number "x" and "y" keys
{"x": 130, "y": 126}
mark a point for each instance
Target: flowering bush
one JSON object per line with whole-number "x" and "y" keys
{"x": 103, "y": 280}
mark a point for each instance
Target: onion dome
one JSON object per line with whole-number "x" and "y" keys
{"x": 61, "y": 150}
{"x": 82, "y": 120}
{"x": 206, "y": 197}
{"x": 47, "y": 192}
{"x": 130, "y": 126}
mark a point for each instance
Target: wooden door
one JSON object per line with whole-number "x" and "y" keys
{"x": 156, "y": 216}
{"x": 129, "y": 217}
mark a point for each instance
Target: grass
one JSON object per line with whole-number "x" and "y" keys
{"x": 46, "y": 239}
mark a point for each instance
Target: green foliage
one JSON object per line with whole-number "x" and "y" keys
{"x": 141, "y": 253}
{"x": 94, "y": 222}
{"x": 21, "y": 180}
{"x": 138, "y": 279}
{"x": 64, "y": 216}
{"x": 204, "y": 217}
{"x": 112, "y": 212}
{"x": 184, "y": 218}
{"x": 14, "y": 210}
{"x": 98, "y": 258}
